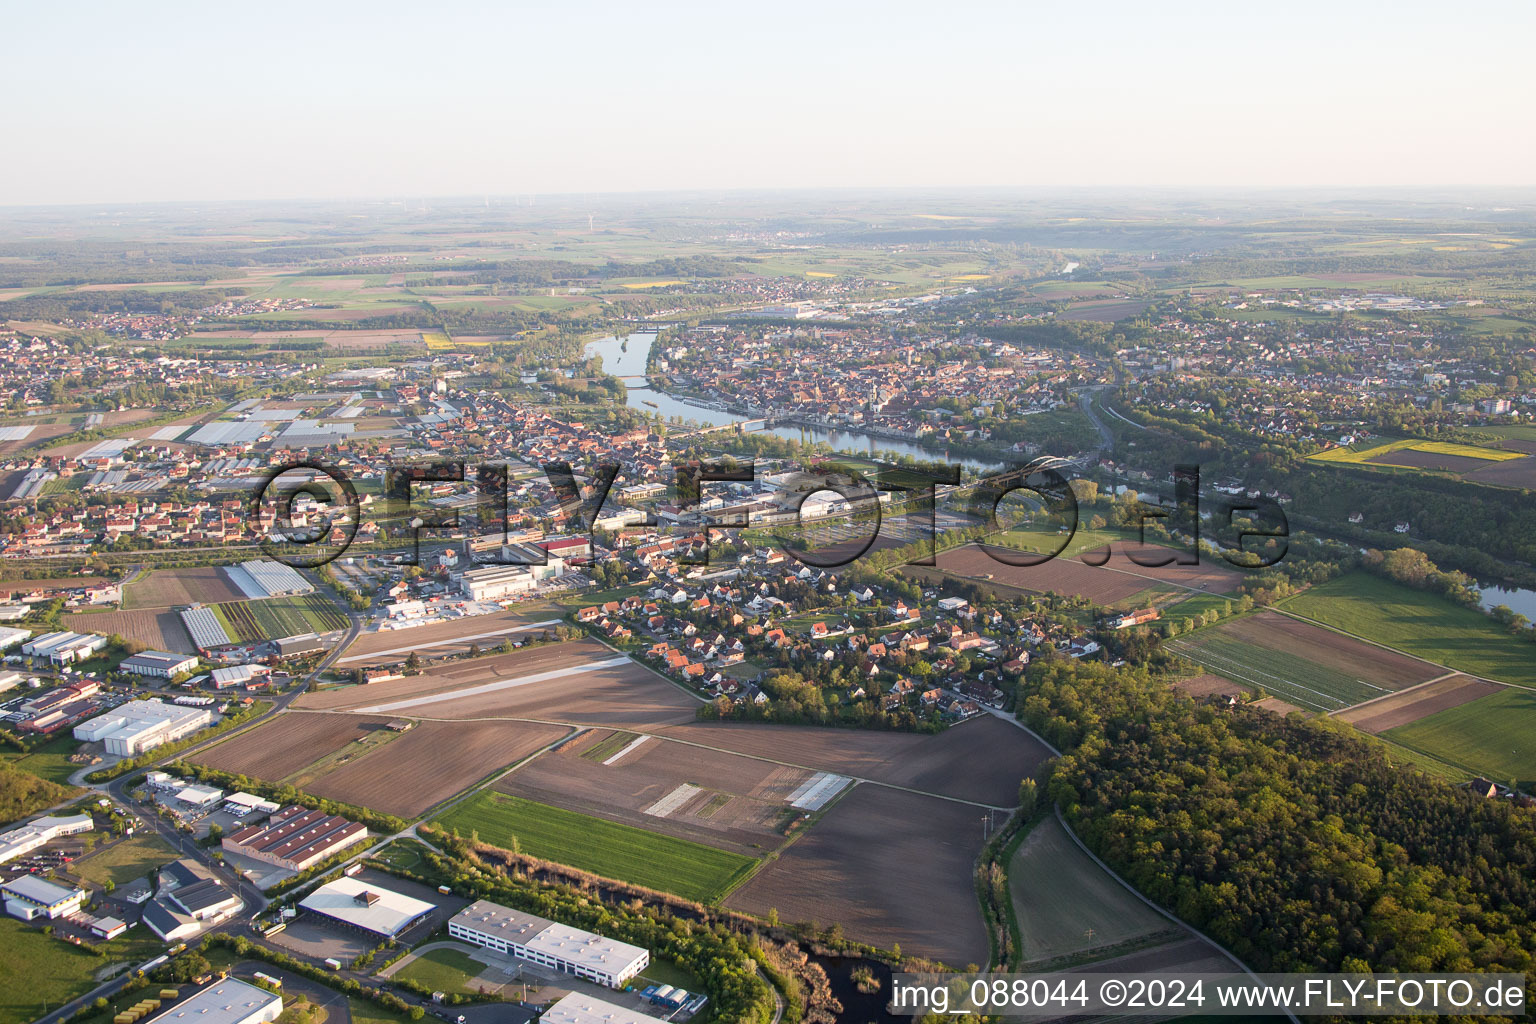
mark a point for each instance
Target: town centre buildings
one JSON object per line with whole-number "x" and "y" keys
{"x": 572, "y": 950}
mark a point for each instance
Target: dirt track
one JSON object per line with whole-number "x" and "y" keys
{"x": 437, "y": 639}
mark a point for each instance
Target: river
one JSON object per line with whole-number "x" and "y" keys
{"x": 628, "y": 361}
{"x": 1516, "y": 599}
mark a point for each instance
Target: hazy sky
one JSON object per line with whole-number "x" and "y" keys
{"x": 119, "y": 102}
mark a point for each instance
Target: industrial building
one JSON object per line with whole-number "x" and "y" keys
{"x": 529, "y": 566}
{"x": 141, "y": 725}
{"x": 250, "y": 803}
{"x": 578, "y": 1008}
{"x": 198, "y": 796}
{"x": 190, "y": 898}
{"x": 60, "y": 707}
{"x": 297, "y": 646}
{"x": 226, "y": 1001}
{"x": 495, "y": 582}
{"x": 11, "y": 637}
{"x": 572, "y": 950}
{"x": 365, "y": 907}
{"x": 64, "y": 647}
{"x": 238, "y": 675}
{"x": 61, "y": 695}
{"x": 29, "y": 897}
{"x": 19, "y": 842}
{"x": 160, "y": 664}
{"x": 296, "y": 837}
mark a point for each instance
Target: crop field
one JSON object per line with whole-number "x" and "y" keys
{"x": 1357, "y": 456}
{"x": 160, "y": 630}
{"x": 945, "y": 763}
{"x": 606, "y": 848}
{"x": 1494, "y": 736}
{"x": 1410, "y": 705}
{"x": 609, "y": 746}
{"x": 167, "y": 588}
{"x": 705, "y": 796}
{"x": 1105, "y": 310}
{"x": 1365, "y": 662}
{"x": 275, "y": 617}
{"x": 1116, "y": 583}
{"x": 430, "y": 763}
{"x": 452, "y": 637}
{"x": 1182, "y": 954}
{"x": 288, "y": 743}
{"x": 1521, "y": 473}
{"x": 1288, "y": 675}
{"x": 1066, "y": 904}
{"x": 1421, "y": 624}
{"x": 891, "y": 867}
{"x": 580, "y": 682}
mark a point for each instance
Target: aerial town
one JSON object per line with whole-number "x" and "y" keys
{"x": 606, "y": 569}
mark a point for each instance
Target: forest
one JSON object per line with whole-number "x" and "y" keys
{"x": 1296, "y": 843}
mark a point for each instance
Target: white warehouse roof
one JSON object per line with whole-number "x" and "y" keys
{"x": 577, "y": 1008}
{"x": 365, "y": 905}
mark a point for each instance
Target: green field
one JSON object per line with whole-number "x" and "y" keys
{"x": 1494, "y": 736}
{"x": 606, "y": 848}
{"x": 1068, "y": 905}
{"x": 39, "y": 973}
{"x": 606, "y": 748}
{"x": 1282, "y": 674}
{"x": 49, "y": 760}
{"x": 1421, "y": 624}
{"x": 132, "y": 858}
{"x": 443, "y": 970}
{"x": 365, "y": 1011}
{"x": 275, "y": 617}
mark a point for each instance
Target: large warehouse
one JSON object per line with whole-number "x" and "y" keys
{"x": 160, "y": 664}
{"x": 366, "y": 907}
{"x": 296, "y": 837}
{"x": 142, "y": 725}
{"x": 64, "y": 647}
{"x": 582, "y": 953}
{"x": 578, "y": 1008}
{"x": 492, "y": 583}
{"x": 29, "y": 897}
{"x": 227, "y": 1001}
{"x": 26, "y": 838}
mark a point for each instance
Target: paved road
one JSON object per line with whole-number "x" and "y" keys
{"x": 1106, "y": 436}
